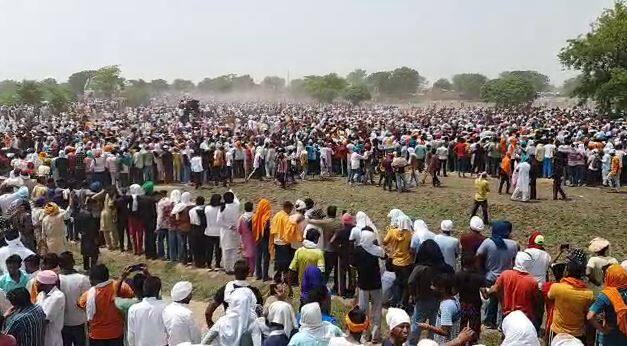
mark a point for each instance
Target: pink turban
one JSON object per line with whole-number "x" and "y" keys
{"x": 47, "y": 277}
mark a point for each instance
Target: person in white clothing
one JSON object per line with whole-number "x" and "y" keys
{"x": 145, "y": 325}
{"x": 178, "y": 318}
{"x": 14, "y": 247}
{"x": 448, "y": 244}
{"x": 197, "y": 169}
{"x": 52, "y": 302}
{"x": 229, "y": 237}
{"x": 213, "y": 229}
{"x": 73, "y": 284}
{"x": 521, "y": 192}
{"x": 518, "y": 330}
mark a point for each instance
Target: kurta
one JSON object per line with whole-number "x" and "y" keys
{"x": 53, "y": 230}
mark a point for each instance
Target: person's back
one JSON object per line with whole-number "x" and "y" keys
{"x": 572, "y": 299}
{"x": 519, "y": 292}
{"x": 497, "y": 260}
{"x": 73, "y": 285}
{"x": 540, "y": 264}
{"x": 450, "y": 248}
{"x": 145, "y": 323}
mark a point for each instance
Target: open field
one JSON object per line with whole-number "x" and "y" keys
{"x": 590, "y": 212}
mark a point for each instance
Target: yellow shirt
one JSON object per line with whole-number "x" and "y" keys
{"x": 571, "y": 307}
{"x": 304, "y": 257}
{"x": 482, "y": 188}
{"x": 397, "y": 242}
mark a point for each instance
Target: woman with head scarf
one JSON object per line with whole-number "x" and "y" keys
{"x": 312, "y": 278}
{"x": 366, "y": 258}
{"x": 396, "y": 242}
{"x": 612, "y": 304}
{"x": 421, "y": 233}
{"x": 53, "y": 227}
{"x": 361, "y": 220}
{"x": 238, "y": 327}
{"x": 281, "y": 321}
{"x": 180, "y": 220}
{"x": 399, "y": 324}
{"x": 261, "y": 234}
{"x": 429, "y": 263}
{"x": 135, "y": 226}
{"x": 108, "y": 219}
{"x": 313, "y": 331}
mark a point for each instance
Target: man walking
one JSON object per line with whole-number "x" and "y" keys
{"x": 482, "y": 187}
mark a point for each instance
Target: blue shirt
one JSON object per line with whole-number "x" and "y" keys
{"x": 7, "y": 284}
{"x": 311, "y": 153}
{"x": 603, "y": 305}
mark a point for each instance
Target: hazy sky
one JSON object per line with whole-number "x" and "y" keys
{"x": 194, "y": 39}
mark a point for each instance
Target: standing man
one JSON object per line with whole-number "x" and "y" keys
{"x": 145, "y": 325}
{"x": 448, "y": 244}
{"x": 52, "y": 302}
{"x": 482, "y": 187}
{"x": 147, "y": 209}
{"x": 73, "y": 284}
{"x": 229, "y": 238}
{"x": 557, "y": 174}
{"x": 177, "y": 317}
{"x": 26, "y": 321}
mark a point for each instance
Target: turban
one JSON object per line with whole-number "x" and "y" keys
{"x": 476, "y": 224}
{"x": 446, "y": 226}
{"x": 148, "y": 187}
{"x": 348, "y": 219}
{"x": 47, "y": 277}
{"x": 597, "y": 244}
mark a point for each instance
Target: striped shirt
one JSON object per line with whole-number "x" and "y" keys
{"x": 27, "y": 326}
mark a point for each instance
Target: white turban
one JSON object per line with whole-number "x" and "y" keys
{"x": 523, "y": 261}
{"x": 446, "y": 225}
{"x": 476, "y": 223}
{"x": 563, "y": 339}
{"x": 396, "y": 317}
{"x": 181, "y": 290}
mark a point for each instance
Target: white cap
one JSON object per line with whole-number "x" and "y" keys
{"x": 446, "y": 225}
{"x": 476, "y": 223}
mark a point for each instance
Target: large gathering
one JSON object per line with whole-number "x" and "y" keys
{"x": 131, "y": 181}
{"x": 329, "y": 173}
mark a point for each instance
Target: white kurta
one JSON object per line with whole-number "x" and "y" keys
{"x": 180, "y": 325}
{"x": 53, "y": 304}
{"x": 523, "y": 177}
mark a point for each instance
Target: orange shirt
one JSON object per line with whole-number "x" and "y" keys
{"x": 108, "y": 322}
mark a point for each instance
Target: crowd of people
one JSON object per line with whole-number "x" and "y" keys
{"x": 88, "y": 177}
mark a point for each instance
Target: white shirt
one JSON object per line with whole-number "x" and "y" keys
{"x": 73, "y": 286}
{"x": 442, "y": 153}
{"x": 14, "y": 247}
{"x": 196, "y": 164}
{"x": 356, "y": 160}
{"x": 194, "y": 219}
{"x": 539, "y": 265}
{"x": 213, "y": 227}
{"x": 549, "y": 150}
{"x": 145, "y": 323}
{"x": 53, "y": 304}
{"x": 449, "y": 247}
{"x": 180, "y": 325}
{"x": 228, "y": 218}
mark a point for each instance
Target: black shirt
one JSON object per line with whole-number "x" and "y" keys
{"x": 368, "y": 274}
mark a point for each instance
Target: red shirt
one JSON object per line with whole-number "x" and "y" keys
{"x": 460, "y": 150}
{"x": 470, "y": 242}
{"x": 518, "y": 291}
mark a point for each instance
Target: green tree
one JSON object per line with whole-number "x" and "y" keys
{"x": 137, "y": 92}
{"x": 8, "y": 92}
{"x": 29, "y": 92}
{"x": 243, "y": 83}
{"x": 404, "y": 82}
{"x": 469, "y": 84}
{"x": 508, "y": 91}
{"x": 107, "y": 81}
{"x": 357, "y": 77}
{"x": 273, "y": 83}
{"x": 58, "y": 97}
{"x": 324, "y": 88}
{"x": 443, "y": 84}
{"x": 601, "y": 57}
{"x": 159, "y": 86}
{"x": 569, "y": 86}
{"x": 220, "y": 84}
{"x": 355, "y": 94}
{"x": 539, "y": 81}
{"x": 379, "y": 82}
{"x": 182, "y": 85}
{"x": 297, "y": 87}
{"x": 79, "y": 80}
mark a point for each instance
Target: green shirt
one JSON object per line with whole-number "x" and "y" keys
{"x": 304, "y": 257}
{"x": 7, "y": 284}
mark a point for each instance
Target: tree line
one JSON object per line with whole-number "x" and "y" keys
{"x": 600, "y": 56}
